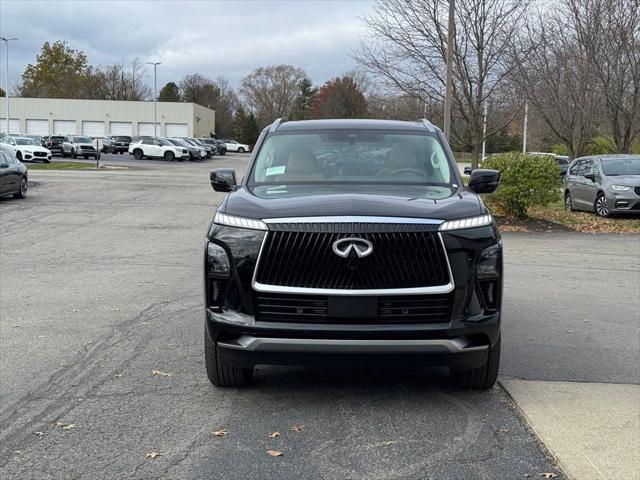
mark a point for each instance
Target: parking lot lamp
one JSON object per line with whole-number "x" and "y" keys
{"x": 155, "y": 96}
{"x": 6, "y": 93}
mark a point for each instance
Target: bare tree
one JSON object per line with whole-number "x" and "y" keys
{"x": 609, "y": 33}
{"x": 225, "y": 106}
{"x": 270, "y": 92}
{"x": 555, "y": 77}
{"x": 114, "y": 82}
{"x": 407, "y": 47}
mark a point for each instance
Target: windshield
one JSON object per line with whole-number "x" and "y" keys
{"x": 164, "y": 142}
{"x": 352, "y": 156}
{"x": 25, "y": 141}
{"x": 621, "y": 166}
{"x": 175, "y": 141}
{"x": 82, "y": 139}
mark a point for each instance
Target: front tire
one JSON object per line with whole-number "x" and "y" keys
{"x": 73, "y": 153}
{"x": 240, "y": 150}
{"x": 22, "y": 193}
{"x": 600, "y": 206}
{"x": 221, "y": 373}
{"x": 19, "y": 155}
{"x": 568, "y": 202}
{"x": 484, "y": 377}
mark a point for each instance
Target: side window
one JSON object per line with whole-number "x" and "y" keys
{"x": 8, "y": 159}
{"x": 157, "y": 143}
{"x": 585, "y": 167}
{"x": 575, "y": 167}
{"x": 147, "y": 141}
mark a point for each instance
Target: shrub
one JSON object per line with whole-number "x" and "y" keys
{"x": 600, "y": 145}
{"x": 525, "y": 181}
{"x": 560, "y": 149}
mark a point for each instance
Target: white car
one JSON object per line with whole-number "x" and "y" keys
{"x": 27, "y": 149}
{"x": 233, "y": 146}
{"x": 150, "y": 147}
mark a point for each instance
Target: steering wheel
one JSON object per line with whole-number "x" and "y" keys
{"x": 407, "y": 170}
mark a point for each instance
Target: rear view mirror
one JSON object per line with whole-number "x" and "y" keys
{"x": 484, "y": 181}
{"x": 223, "y": 179}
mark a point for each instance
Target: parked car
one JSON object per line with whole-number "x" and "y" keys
{"x": 36, "y": 138}
{"x": 13, "y": 174}
{"x": 151, "y": 147}
{"x": 54, "y": 144}
{"x": 78, "y": 146}
{"x": 604, "y": 184}
{"x": 219, "y": 144}
{"x": 27, "y": 149}
{"x": 210, "y": 149}
{"x": 120, "y": 143}
{"x": 195, "y": 153}
{"x": 390, "y": 261}
{"x": 106, "y": 143}
{"x": 233, "y": 146}
{"x": 561, "y": 160}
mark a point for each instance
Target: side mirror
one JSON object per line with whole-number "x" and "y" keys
{"x": 223, "y": 179}
{"x": 590, "y": 176}
{"x": 4, "y": 165}
{"x": 484, "y": 181}
{"x": 468, "y": 170}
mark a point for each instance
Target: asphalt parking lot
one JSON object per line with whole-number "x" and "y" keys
{"x": 101, "y": 360}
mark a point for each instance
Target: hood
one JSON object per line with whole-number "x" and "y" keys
{"x": 33, "y": 148}
{"x": 370, "y": 200}
{"x": 627, "y": 180}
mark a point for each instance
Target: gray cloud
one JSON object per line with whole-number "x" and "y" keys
{"x": 227, "y": 38}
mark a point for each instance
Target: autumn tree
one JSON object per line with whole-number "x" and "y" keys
{"x": 271, "y": 91}
{"x": 339, "y": 98}
{"x": 169, "y": 93}
{"x": 59, "y": 72}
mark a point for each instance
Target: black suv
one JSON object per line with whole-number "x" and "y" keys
{"x": 353, "y": 241}
{"x": 53, "y": 143}
{"x": 120, "y": 143}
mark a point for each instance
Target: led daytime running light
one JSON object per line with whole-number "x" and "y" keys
{"x": 230, "y": 220}
{"x": 471, "y": 222}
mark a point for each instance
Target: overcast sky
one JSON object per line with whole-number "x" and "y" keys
{"x": 214, "y": 38}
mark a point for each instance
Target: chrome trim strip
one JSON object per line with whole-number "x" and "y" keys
{"x": 250, "y": 343}
{"x": 354, "y": 219}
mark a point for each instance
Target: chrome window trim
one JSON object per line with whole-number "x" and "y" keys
{"x": 354, "y": 219}
{"x": 433, "y": 290}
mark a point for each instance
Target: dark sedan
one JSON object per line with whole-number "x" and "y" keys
{"x": 13, "y": 175}
{"x": 195, "y": 153}
{"x": 219, "y": 144}
{"x": 54, "y": 144}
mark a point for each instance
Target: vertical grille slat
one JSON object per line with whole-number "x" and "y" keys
{"x": 400, "y": 259}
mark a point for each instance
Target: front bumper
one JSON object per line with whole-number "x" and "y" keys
{"x": 623, "y": 202}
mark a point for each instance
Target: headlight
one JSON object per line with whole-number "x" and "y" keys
{"x": 620, "y": 188}
{"x": 471, "y": 222}
{"x": 217, "y": 259}
{"x": 230, "y": 220}
{"x": 489, "y": 261}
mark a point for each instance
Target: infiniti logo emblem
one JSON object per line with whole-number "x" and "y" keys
{"x": 348, "y": 247}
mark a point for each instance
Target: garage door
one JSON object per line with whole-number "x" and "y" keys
{"x": 64, "y": 127}
{"x": 14, "y": 125}
{"x": 176, "y": 129}
{"x": 37, "y": 127}
{"x": 120, "y": 128}
{"x": 146, "y": 129}
{"x": 93, "y": 129}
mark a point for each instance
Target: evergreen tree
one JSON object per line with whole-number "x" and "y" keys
{"x": 305, "y": 98}
{"x": 169, "y": 93}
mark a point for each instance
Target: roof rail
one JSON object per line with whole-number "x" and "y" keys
{"x": 429, "y": 126}
{"x": 274, "y": 126}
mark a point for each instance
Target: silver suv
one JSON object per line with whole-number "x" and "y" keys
{"x": 604, "y": 184}
{"x": 78, "y": 146}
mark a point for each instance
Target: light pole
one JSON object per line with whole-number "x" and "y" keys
{"x": 6, "y": 93}
{"x": 449, "y": 79}
{"x": 155, "y": 96}
{"x": 526, "y": 121}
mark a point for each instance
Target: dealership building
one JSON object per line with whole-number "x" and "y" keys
{"x": 97, "y": 118}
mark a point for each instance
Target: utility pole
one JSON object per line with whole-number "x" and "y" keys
{"x": 6, "y": 93}
{"x": 524, "y": 133}
{"x": 155, "y": 96}
{"x": 449, "y": 81}
{"x": 484, "y": 131}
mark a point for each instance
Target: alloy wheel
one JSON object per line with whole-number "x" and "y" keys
{"x": 568, "y": 204}
{"x": 601, "y": 206}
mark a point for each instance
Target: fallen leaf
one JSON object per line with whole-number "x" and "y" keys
{"x": 548, "y": 475}
{"x": 297, "y": 428}
{"x": 220, "y": 433}
{"x": 275, "y": 453}
{"x": 39, "y": 434}
{"x": 274, "y": 434}
{"x": 161, "y": 374}
{"x": 66, "y": 426}
{"x": 504, "y": 429}
{"x": 152, "y": 454}
{"x": 118, "y": 375}
{"x": 389, "y": 442}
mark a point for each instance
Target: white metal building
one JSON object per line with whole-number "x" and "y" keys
{"x": 58, "y": 116}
